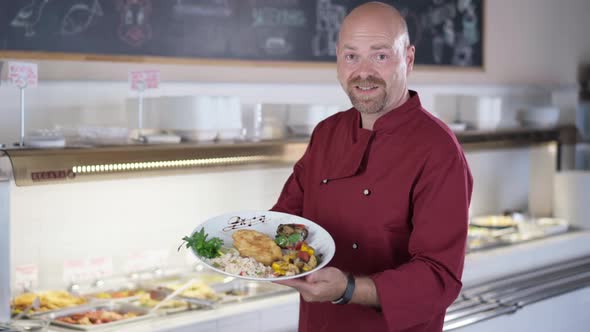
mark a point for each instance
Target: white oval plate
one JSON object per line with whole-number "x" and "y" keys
{"x": 266, "y": 222}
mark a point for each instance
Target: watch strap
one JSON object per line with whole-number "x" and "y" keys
{"x": 347, "y": 296}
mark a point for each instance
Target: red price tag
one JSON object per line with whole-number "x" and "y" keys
{"x": 26, "y": 276}
{"x": 76, "y": 270}
{"x": 136, "y": 261}
{"x": 23, "y": 74}
{"x": 140, "y": 80}
{"x": 101, "y": 266}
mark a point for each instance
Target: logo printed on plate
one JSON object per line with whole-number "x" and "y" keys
{"x": 238, "y": 222}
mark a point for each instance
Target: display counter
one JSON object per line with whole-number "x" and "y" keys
{"x": 532, "y": 275}
{"x": 54, "y": 210}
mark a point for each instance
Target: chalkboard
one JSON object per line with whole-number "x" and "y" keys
{"x": 445, "y": 32}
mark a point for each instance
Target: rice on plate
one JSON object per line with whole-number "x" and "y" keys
{"x": 232, "y": 262}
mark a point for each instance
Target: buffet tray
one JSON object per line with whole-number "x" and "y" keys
{"x": 119, "y": 307}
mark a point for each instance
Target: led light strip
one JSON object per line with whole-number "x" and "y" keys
{"x": 146, "y": 165}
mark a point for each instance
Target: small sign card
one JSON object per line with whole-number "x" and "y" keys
{"x": 140, "y": 80}
{"x": 101, "y": 267}
{"x": 136, "y": 261}
{"x": 23, "y": 74}
{"x": 76, "y": 270}
{"x": 146, "y": 260}
{"x": 26, "y": 277}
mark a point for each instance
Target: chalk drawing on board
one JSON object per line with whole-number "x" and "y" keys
{"x": 278, "y": 17}
{"x": 463, "y": 54}
{"x": 414, "y": 26}
{"x": 448, "y": 31}
{"x": 214, "y": 8}
{"x": 28, "y": 16}
{"x": 455, "y": 32}
{"x": 328, "y": 20}
{"x": 438, "y": 15}
{"x": 470, "y": 22}
{"x": 438, "y": 45}
{"x": 277, "y": 46}
{"x": 79, "y": 17}
{"x": 462, "y": 5}
{"x": 135, "y": 28}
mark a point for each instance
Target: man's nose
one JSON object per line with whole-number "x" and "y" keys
{"x": 365, "y": 69}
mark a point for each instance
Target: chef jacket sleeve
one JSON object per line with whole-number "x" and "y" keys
{"x": 291, "y": 198}
{"x": 425, "y": 286}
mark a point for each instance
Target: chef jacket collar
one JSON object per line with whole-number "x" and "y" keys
{"x": 351, "y": 162}
{"x": 396, "y": 117}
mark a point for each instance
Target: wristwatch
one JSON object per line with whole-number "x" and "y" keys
{"x": 347, "y": 296}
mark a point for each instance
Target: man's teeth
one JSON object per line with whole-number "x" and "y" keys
{"x": 366, "y": 88}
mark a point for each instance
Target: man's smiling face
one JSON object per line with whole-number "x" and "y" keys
{"x": 372, "y": 63}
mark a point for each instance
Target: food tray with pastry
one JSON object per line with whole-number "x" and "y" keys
{"x": 117, "y": 294}
{"x": 98, "y": 316}
{"x": 494, "y": 222}
{"x": 172, "y": 306}
{"x": 195, "y": 294}
{"x": 49, "y": 301}
{"x": 261, "y": 245}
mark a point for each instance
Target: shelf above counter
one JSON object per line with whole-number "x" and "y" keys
{"x": 73, "y": 164}
{"x": 472, "y": 139}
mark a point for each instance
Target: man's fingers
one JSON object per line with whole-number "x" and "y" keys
{"x": 295, "y": 283}
{"x": 299, "y": 284}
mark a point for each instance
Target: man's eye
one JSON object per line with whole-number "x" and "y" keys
{"x": 381, "y": 57}
{"x": 349, "y": 57}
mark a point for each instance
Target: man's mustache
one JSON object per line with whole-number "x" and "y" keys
{"x": 366, "y": 81}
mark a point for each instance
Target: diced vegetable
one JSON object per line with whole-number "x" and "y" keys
{"x": 304, "y": 256}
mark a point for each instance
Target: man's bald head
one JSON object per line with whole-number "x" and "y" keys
{"x": 377, "y": 13}
{"x": 374, "y": 58}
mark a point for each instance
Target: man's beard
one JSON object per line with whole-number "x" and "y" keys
{"x": 366, "y": 104}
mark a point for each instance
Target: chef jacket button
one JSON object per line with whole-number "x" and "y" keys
{"x": 325, "y": 181}
{"x": 355, "y": 246}
{"x": 366, "y": 192}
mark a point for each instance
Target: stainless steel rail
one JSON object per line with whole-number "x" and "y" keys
{"x": 475, "y": 291}
{"x": 509, "y": 294}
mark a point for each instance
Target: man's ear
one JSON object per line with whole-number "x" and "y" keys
{"x": 410, "y": 55}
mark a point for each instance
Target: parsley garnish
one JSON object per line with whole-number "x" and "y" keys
{"x": 203, "y": 247}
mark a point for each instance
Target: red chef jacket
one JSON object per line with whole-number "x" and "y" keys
{"x": 395, "y": 200}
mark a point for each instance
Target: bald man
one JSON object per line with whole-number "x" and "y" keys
{"x": 391, "y": 185}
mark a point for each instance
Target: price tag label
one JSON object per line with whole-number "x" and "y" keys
{"x": 26, "y": 276}
{"x": 76, "y": 270}
{"x": 140, "y": 80}
{"x": 101, "y": 267}
{"x": 146, "y": 260}
{"x": 136, "y": 261}
{"x": 23, "y": 74}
